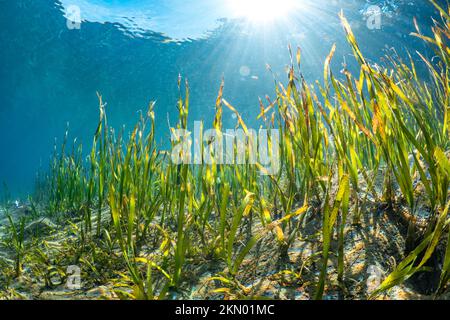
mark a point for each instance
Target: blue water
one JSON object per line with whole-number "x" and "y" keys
{"x": 132, "y": 52}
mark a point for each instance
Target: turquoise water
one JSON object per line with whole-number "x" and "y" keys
{"x": 133, "y": 51}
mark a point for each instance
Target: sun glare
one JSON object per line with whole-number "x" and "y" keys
{"x": 262, "y": 10}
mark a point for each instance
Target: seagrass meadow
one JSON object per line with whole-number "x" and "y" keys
{"x": 358, "y": 210}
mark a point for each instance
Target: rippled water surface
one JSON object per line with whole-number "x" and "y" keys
{"x": 55, "y": 56}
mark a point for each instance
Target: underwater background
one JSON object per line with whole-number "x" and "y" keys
{"x": 133, "y": 51}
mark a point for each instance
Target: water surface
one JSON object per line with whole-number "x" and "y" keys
{"x": 133, "y": 51}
